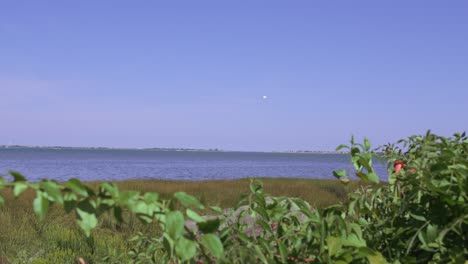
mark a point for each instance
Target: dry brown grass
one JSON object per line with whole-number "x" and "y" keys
{"x": 226, "y": 193}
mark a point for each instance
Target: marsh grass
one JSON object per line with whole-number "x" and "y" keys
{"x": 226, "y": 193}
{"x": 25, "y": 239}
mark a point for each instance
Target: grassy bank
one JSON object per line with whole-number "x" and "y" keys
{"x": 23, "y": 238}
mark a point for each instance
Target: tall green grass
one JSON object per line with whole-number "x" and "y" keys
{"x": 25, "y": 239}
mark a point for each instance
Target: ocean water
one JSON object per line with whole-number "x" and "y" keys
{"x": 88, "y": 165}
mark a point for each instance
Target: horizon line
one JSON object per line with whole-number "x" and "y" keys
{"x": 169, "y": 149}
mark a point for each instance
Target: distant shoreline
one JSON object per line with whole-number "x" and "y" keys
{"x": 169, "y": 149}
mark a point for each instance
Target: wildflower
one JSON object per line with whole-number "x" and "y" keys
{"x": 398, "y": 165}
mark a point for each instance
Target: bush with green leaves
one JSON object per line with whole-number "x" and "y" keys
{"x": 419, "y": 216}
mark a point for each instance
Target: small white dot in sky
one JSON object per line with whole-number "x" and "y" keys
{"x": 264, "y": 97}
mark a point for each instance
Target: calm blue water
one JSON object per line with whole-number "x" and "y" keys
{"x": 89, "y": 165}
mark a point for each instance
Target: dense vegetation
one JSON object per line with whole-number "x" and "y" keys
{"x": 420, "y": 216}
{"x": 58, "y": 239}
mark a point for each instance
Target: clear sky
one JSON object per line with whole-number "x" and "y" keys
{"x": 194, "y": 73}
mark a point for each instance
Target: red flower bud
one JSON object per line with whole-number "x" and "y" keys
{"x": 398, "y": 165}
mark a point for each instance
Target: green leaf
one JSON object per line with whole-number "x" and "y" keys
{"x": 213, "y": 244}
{"x": 283, "y": 251}
{"x": 431, "y": 233}
{"x": 361, "y": 175}
{"x": 457, "y": 167}
{"x": 128, "y": 198}
{"x": 339, "y": 173}
{"x": 186, "y": 248}
{"x": 353, "y": 241}
{"x": 69, "y": 205}
{"x": 53, "y": 190}
{"x": 143, "y": 211}
{"x": 151, "y": 197}
{"x": 118, "y": 214}
{"x": 260, "y": 254}
{"x": 244, "y": 238}
{"x": 371, "y": 176}
{"x": 87, "y": 205}
{"x": 340, "y": 147}
{"x": 304, "y": 207}
{"x": 392, "y": 178}
{"x": 262, "y": 212}
{"x": 255, "y": 186}
{"x": 110, "y": 188}
{"x": 17, "y": 176}
{"x": 69, "y": 196}
{"x": 354, "y": 151}
{"x": 141, "y": 207}
{"x": 175, "y": 224}
{"x": 422, "y": 238}
{"x": 334, "y": 245}
{"x": 76, "y": 186}
{"x": 194, "y": 216}
{"x": 367, "y": 145}
{"x": 418, "y": 217}
{"x": 376, "y": 258}
{"x": 41, "y": 205}
{"x": 188, "y": 200}
{"x": 86, "y": 220}
{"x": 217, "y": 209}
{"x": 2, "y": 201}
{"x": 357, "y": 230}
{"x": 19, "y": 188}
{"x": 168, "y": 244}
{"x": 209, "y": 226}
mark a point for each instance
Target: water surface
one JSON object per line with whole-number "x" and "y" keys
{"x": 94, "y": 164}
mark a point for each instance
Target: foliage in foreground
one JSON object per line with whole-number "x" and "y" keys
{"x": 57, "y": 239}
{"x": 420, "y": 216}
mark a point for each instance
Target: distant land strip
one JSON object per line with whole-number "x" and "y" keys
{"x": 169, "y": 149}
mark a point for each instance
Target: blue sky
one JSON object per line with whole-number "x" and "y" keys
{"x": 193, "y": 73}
